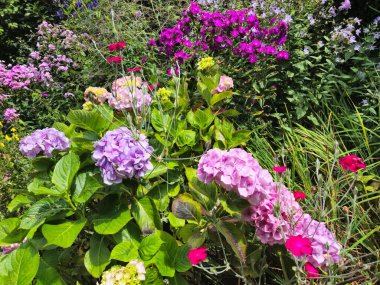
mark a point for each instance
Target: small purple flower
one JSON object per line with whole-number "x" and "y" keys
{"x": 10, "y": 115}
{"x": 44, "y": 141}
{"x": 345, "y": 5}
{"x": 122, "y": 154}
{"x": 45, "y": 94}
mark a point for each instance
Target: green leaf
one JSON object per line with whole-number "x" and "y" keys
{"x": 10, "y": 232}
{"x": 234, "y": 237}
{"x": 206, "y": 194}
{"x": 164, "y": 263}
{"x": 186, "y": 137}
{"x": 64, "y": 171}
{"x": 145, "y": 213}
{"x": 64, "y": 234}
{"x": 200, "y": 119}
{"x": 48, "y": 275}
{"x": 160, "y": 121}
{"x": 131, "y": 232}
{"x": 19, "y": 201}
{"x": 125, "y": 251}
{"x": 205, "y": 92}
{"x": 37, "y": 187}
{"x": 95, "y": 120}
{"x": 178, "y": 279}
{"x": 175, "y": 222}
{"x": 41, "y": 210}
{"x": 184, "y": 207}
{"x": 153, "y": 277}
{"x": 181, "y": 261}
{"x": 220, "y": 96}
{"x": 85, "y": 186}
{"x": 239, "y": 138}
{"x": 98, "y": 256}
{"x": 158, "y": 169}
{"x": 111, "y": 219}
{"x": 149, "y": 246}
{"x": 20, "y": 266}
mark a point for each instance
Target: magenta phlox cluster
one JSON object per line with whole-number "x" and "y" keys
{"x": 273, "y": 209}
{"x": 129, "y": 92}
{"x": 235, "y": 170}
{"x": 44, "y": 141}
{"x": 121, "y": 154}
{"x": 237, "y": 31}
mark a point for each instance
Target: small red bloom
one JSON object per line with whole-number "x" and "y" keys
{"x": 298, "y": 195}
{"x": 299, "y": 245}
{"x": 116, "y": 59}
{"x": 352, "y": 163}
{"x": 134, "y": 69}
{"x": 117, "y": 46}
{"x": 279, "y": 169}
{"x": 150, "y": 87}
{"x": 197, "y": 255}
{"x": 312, "y": 272}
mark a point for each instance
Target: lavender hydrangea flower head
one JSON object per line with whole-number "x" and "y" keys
{"x": 121, "y": 154}
{"x": 128, "y": 93}
{"x": 44, "y": 141}
{"x": 10, "y": 115}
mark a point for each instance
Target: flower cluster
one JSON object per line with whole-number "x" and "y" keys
{"x": 133, "y": 273}
{"x": 236, "y": 31}
{"x": 10, "y": 115}
{"x": 18, "y": 77}
{"x": 121, "y": 154}
{"x": 71, "y": 8}
{"x": 46, "y": 141}
{"x": 235, "y": 170}
{"x": 225, "y": 83}
{"x": 274, "y": 211}
{"x": 97, "y": 94}
{"x": 129, "y": 92}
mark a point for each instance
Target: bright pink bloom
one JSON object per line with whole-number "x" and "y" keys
{"x": 121, "y": 45}
{"x": 150, "y": 87}
{"x": 352, "y": 163}
{"x": 116, "y": 59}
{"x": 197, "y": 255}
{"x": 299, "y": 245}
{"x": 298, "y": 195}
{"x": 312, "y": 272}
{"x": 279, "y": 169}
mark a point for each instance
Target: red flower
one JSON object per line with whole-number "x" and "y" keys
{"x": 134, "y": 69}
{"x": 352, "y": 163}
{"x": 299, "y": 245}
{"x": 197, "y": 255}
{"x": 150, "y": 87}
{"x": 117, "y": 46}
{"x": 116, "y": 59}
{"x": 298, "y": 195}
{"x": 312, "y": 272}
{"x": 279, "y": 169}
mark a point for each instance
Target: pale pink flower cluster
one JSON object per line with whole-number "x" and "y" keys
{"x": 274, "y": 211}
{"x": 225, "y": 83}
{"x": 129, "y": 92}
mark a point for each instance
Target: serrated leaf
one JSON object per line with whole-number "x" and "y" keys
{"x": 19, "y": 201}
{"x": 186, "y": 137}
{"x": 220, "y": 96}
{"x": 98, "y": 256}
{"x": 149, "y": 246}
{"x": 181, "y": 261}
{"x": 64, "y": 234}
{"x": 20, "y": 266}
{"x": 125, "y": 251}
{"x": 185, "y": 207}
{"x": 234, "y": 237}
{"x": 85, "y": 186}
{"x": 10, "y": 232}
{"x": 64, "y": 171}
{"x": 111, "y": 219}
{"x": 146, "y": 215}
{"x": 48, "y": 275}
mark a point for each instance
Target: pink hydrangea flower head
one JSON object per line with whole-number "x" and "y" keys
{"x": 299, "y": 245}
{"x": 121, "y": 154}
{"x": 129, "y": 92}
{"x": 197, "y": 255}
{"x": 225, "y": 83}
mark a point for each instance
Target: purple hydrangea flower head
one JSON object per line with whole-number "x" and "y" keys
{"x": 122, "y": 154}
{"x": 10, "y": 115}
{"x": 44, "y": 141}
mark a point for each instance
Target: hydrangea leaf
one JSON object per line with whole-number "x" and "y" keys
{"x": 185, "y": 207}
{"x": 85, "y": 186}
{"x": 125, "y": 251}
{"x": 149, "y": 246}
{"x": 48, "y": 275}
{"x": 111, "y": 219}
{"x": 64, "y": 171}
{"x": 98, "y": 256}
{"x": 146, "y": 215}
{"x": 64, "y": 234}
